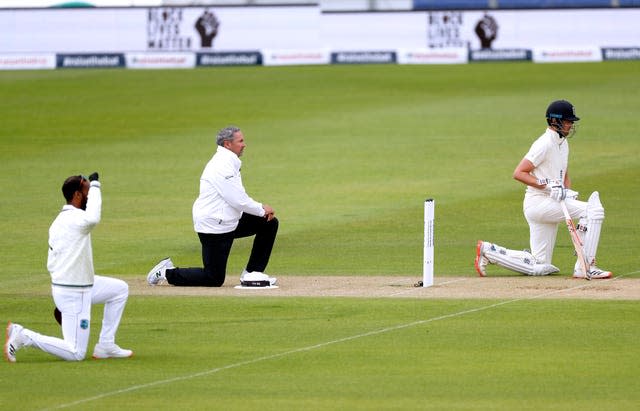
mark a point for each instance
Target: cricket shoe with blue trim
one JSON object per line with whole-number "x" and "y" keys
{"x": 595, "y": 273}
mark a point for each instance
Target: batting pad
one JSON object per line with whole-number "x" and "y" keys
{"x": 522, "y": 262}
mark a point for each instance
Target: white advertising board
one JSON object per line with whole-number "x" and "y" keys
{"x": 554, "y": 28}
{"x": 160, "y": 60}
{"x": 566, "y": 54}
{"x": 512, "y": 34}
{"x": 78, "y": 30}
{"x": 27, "y": 61}
{"x": 289, "y": 57}
{"x": 373, "y": 31}
{"x": 500, "y": 29}
{"x": 92, "y": 3}
{"x": 159, "y": 29}
{"x": 449, "y": 55}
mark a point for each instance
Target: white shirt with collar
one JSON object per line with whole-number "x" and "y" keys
{"x": 70, "y": 259}
{"x": 550, "y": 156}
{"x": 222, "y": 198}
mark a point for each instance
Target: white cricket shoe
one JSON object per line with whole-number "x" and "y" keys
{"x": 110, "y": 351}
{"x": 157, "y": 273}
{"x": 14, "y": 341}
{"x": 481, "y": 261}
{"x": 596, "y": 273}
{"x": 256, "y": 279}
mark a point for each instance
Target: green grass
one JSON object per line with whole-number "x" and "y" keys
{"x": 346, "y": 155}
{"x": 341, "y": 353}
{"x": 340, "y": 152}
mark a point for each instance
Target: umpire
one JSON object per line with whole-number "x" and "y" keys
{"x": 223, "y": 212}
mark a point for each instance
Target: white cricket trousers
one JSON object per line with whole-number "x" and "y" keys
{"x": 75, "y": 306}
{"x": 543, "y": 215}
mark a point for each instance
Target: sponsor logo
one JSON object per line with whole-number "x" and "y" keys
{"x": 153, "y": 60}
{"x": 89, "y": 60}
{"x": 567, "y": 53}
{"x": 160, "y": 60}
{"x": 433, "y": 56}
{"x": 23, "y": 61}
{"x": 229, "y": 59}
{"x": 586, "y": 53}
{"x": 298, "y": 56}
{"x": 500, "y": 55}
{"x": 27, "y": 61}
{"x": 621, "y": 53}
{"x": 290, "y": 57}
{"x": 363, "y": 57}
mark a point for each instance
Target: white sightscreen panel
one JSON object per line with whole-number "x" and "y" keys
{"x": 304, "y": 27}
{"x": 142, "y": 29}
{"x": 515, "y": 29}
{"x": 559, "y": 28}
{"x": 373, "y": 31}
{"x": 77, "y": 30}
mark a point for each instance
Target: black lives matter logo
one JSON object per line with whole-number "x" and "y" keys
{"x": 164, "y": 30}
{"x": 207, "y": 27}
{"x": 487, "y": 31}
{"x": 445, "y": 29}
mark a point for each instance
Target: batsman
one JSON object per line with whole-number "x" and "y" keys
{"x": 544, "y": 170}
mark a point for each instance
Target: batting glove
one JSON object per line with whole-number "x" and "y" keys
{"x": 571, "y": 194}
{"x": 558, "y": 193}
{"x": 543, "y": 181}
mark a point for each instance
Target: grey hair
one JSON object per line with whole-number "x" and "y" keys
{"x": 226, "y": 134}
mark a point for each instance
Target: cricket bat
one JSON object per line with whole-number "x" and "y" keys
{"x": 575, "y": 239}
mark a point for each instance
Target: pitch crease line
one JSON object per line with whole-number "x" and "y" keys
{"x": 328, "y": 343}
{"x": 416, "y": 289}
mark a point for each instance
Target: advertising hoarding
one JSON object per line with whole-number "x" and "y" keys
{"x": 158, "y": 29}
{"x": 302, "y": 34}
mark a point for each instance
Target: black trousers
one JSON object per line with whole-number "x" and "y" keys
{"x": 216, "y": 249}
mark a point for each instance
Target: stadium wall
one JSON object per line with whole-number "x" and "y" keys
{"x": 182, "y": 37}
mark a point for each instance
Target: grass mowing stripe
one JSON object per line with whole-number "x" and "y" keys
{"x": 384, "y": 330}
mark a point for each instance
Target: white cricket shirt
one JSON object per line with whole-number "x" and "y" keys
{"x": 550, "y": 156}
{"x": 70, "y": 259}
{"x": 222, "y": 198}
